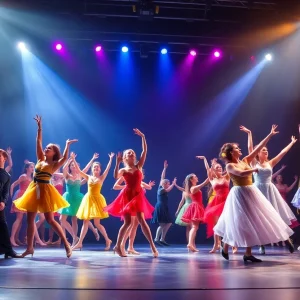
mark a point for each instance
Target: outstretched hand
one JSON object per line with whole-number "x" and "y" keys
{"x": 273, "y": 130}
{"x": 243, "y": 128}
{"x": 95, "y": 156}
{"x": 138, "y": 132}
{"x": 174, "y": 180}
{"x": 165, "y": 164}
{"x": 9, "y": 151}
{"x": 73, "y": 155}
{"x": 151, "y": 183}
{"x": 119, "y": 158}
{"x": 38, "y": 120}
{"x": 200, "y": 157}
{"x": 111, "y": 155}
{"x": 293, "y": 139}
{"x": 70, "y": 142}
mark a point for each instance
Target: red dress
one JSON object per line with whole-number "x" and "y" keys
{"x": 22, "y": 188}
{"x": 195, "y": 211}
{"x": 215, "y": 208}
{"x": 131, "y": 199}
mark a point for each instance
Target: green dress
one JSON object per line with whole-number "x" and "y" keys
{"x": 183, "y": 208}
{"x": 73, "y": 196}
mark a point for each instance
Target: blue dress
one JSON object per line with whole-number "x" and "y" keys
{"x": 161, "y": 212}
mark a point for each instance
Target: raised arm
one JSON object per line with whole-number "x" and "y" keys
{"x": 198, "y": 187}
{"x": 148, "y": 186}
{"x": 274, "y": 161}
{"x": 17, "y": 182}
{"x": 104, "y": 174}
{"x": 87, "y": 167}
{"x": 179, "y": 187}
{"x": 163, "y": 173}
{"x": 117, "y": 172}
{"x": 208, "y": 168}
{"x": 182, "y": 201}
{"x": 292, "y": 185}
{"x": 39, "y": 147}
{"x": 144, "y": 147}
{"x": 82, "y": 174}
{"x": 249, "y": 158}
{"x": 67, "y": 164}
{"x": 239, "y": 172}
{"x": 172, "y": 185}
{"x": 118, "y": 184}
{"x": 9, "y": 160}
{"x": 65, "y": 156}
{"x": 278, "y": 172}
{"x": 250, "y": 140}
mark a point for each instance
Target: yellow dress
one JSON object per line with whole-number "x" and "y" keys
{"x": 93, "y": 202}
{"x": 41, "y": 196}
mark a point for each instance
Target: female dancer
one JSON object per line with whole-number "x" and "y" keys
{"x": 283, "y": 188}
{"x": 131, "y": 200}
{"x": 131, "y": 232}
{"x": 185, "y": 202}
{"x": 161, "y": 213}
{"x": 93, "y": 202}
{"x": 74, "y": 197}
{"x": 296, "y": 200}
{"x": 195, "y": 212}
{"x": 248, "y": 218}
{"x": 220, "y": 184}
{"x": 40, "y": 195}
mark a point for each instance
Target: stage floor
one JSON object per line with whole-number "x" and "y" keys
{"x": 176, "y": 274}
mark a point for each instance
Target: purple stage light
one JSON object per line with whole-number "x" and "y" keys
{"x": 98, "y": 48}
{"x": 217, "y": 54}
{"x": 193, "y": 52}
{"x": 58, "y": 47}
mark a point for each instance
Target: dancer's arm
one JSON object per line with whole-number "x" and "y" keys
{"x": 292, "y": 185}
{"x": 67, "y": 164}
{"x": 208, "y": 168}
{"x": 82, "y": 174}
{"x": 9, "y": 160}
{"x": 5, "y": 194}
{"x": 250, "y": 140}
{"x": 163, "y": 173}
{"x": 148, "y": 186}
{"x": 104, "y": 175}
{"x": 182, "y": 201}
{"x": 83, "y": 181}
{"x": 87, "y": 167}
{"x": 278, "y": 172}
{"x": 118, "y": 184}
{"x": 39, "y": 147}
{"x": 179, "y": 187}
{"x": 249, "y": 158}
{"x": 198, "y": 187}
{"x": 118, "y": 172}
{"x": 65, "y": 156}
{"x": 171, "y": 186}
{"x": 231, "y": 168}
{"x": 144, "y": 147}
{"x": 274, "y": 161}
{"x": 17, "y": 182}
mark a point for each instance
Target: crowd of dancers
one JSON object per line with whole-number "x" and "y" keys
{"x": 244, "y": 215}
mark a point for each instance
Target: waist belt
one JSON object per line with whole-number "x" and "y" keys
{"x": 36, "y": 180}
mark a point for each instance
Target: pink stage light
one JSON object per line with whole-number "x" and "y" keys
{"x": 193, "y": 52}
{"x": 98, "y": 48}
{"x": 217, "y": 54}
{"x": 58, "y": 47}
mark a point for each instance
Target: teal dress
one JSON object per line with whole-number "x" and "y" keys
{"x": 73, "y": 196}
{"x": 183, "y": 208}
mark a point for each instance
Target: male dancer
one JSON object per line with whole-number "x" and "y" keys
{"x": 5, "y": 245}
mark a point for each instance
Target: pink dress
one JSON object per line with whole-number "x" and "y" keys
{"x": 195, "y": 211}
{"x": 282, "y": 192}
{"x": 131, "y": 199}
{"x": 215, "y": 208}
{"x": 22, "y": 188}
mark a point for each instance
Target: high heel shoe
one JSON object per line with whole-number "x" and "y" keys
{"x": 289, "y": 244}
{"x": 69, "y": 251}
{"x": 12, "y": 254}
{"x": 119, "y": 252}
{"x": 108, "y": 244}
{"x": 225, "y": 255}
{"x": 28, "y": 252}
{"x": 133, "y": 252}
{"x": 251, "y": 258}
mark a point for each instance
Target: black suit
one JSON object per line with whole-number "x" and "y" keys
{"x": 5, "y": 245}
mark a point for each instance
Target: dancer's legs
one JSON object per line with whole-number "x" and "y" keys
{"x": 102, "y": 230}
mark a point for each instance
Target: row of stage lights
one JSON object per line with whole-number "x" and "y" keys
{"x": 125, "y": 49}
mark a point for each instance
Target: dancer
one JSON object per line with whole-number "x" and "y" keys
{"x": 5, "y": 245}
{"x": 274, "y": 175}
{"x": 74, "y": 197}
{"x": 283, "y": 188}
{"x": 296, "y": 200}
{"x": 9, "y": 160}
{"x": 131, "y": 200}
{"x": 185, "y": 202}
{"x": 195, "y": 212}
{"x": 93, "y": 202}
{"x": 40, "y": 195}
{"x": 161, "y": 213}
{"x": 248, "y": 218}
{"x": 131, "y": 232}
{"x": 220, "y": 185}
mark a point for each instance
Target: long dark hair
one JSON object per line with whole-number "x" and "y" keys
{"x": 26, "y": 166}
{"x": 56, "y": 149}
{"x": 187, "y": 183}
{"x": 225, "y": 152}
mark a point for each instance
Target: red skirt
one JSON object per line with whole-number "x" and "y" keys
{"x": 195, "y": 213}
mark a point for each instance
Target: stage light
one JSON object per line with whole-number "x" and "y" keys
{"x": 217, "y": 54}
{"x": 58, "y": 47}
{"x": 193, "y": 53}
{"x": 268, "y": 57}
{"x": 21, "y": 46}
{"x": 124, "y": 49}
{"x": 164, "y": 51}
{"x": 98, "y": 48}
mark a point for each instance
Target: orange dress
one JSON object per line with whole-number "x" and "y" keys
{"x": 41, "y": 196}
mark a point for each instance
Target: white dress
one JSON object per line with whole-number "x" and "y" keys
{"x": 248, "y": 218}
{"x": 262, "y": 180}
{"x": 296, "y": 200}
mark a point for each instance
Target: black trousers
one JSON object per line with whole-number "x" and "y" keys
{"x": 5, "y": 245}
